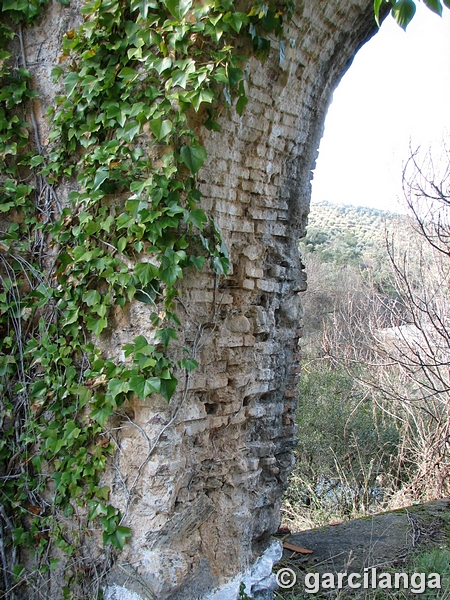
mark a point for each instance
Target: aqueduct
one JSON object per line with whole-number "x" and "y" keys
{"x": 205, "y": 501}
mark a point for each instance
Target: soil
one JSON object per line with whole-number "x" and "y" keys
{"x": 387, "y": 541}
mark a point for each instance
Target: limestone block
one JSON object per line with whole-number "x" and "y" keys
{"x": 218, "y": 380}
{"x": 253, "y": 271}
{"x": 292, "y": 309}
{"x": 256, "y": 411}
{"x": 248, "y": 284}
{"x": 263, "y": 321}
{"x": 252, "y": 464}
{"x": 195, "y": 427}
{"x": 224, "y": 396}
{"x": 197, "y": 381}
{"x": 231, "y": 341}
{"x": 238, "y": 324}
{"x": 267, "y": 285}
{"x": 218, "y": 422}
{"x": 253, "y": 251}
{"x": 242, "y": 379}
{"x": 273, "y": 228}
{"x": 193, "y": 411}
{"x": 277, "y": 271}
{"x": 249, "y": 340}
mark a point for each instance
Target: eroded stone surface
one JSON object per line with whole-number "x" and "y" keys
{"x": 200, "y": 480}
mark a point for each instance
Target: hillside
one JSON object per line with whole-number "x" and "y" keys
{"x": 342, "y": 234}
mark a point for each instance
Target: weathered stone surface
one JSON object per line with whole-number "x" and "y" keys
{"x": 199, "y": 481}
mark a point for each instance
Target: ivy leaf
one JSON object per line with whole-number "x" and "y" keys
{"x": 113, "y": 110}
{"x": 168, "y": 386}
{"x": 197, "y": 217}
{"x": 145, "y": 272}
{"x": 227, "y": 95}
{"x": 403, "y": 11}
{"x": 241, "y": 104}
{"x": 162, "y": 64}
{"x": 199, "y": 96}
{"x": 130, "y": 130}
{"x": 141, "y": 345}
{"x": 117, "y": 386}
{"x": 236, "y": 20}
{"x": 17, "y": 571}
{"x": 147, "y": 295}
{"x": 165, "y": 335}
{"x": 100, "y": 177}
{"x": 143, "y": 386}
{"x": 179, "y": 78}
{"x": 221, "y": 75}
{"x": 434, "y": 5}
{"x": 128, "y": 74}
{"x": 171, "y": 273}
{"x": 221, "y": 265}
{"x": 143, "y": 6}
{"x": 91, "y": 298}
{"x": 39, "y": 389}
{"x": 101, "y": 414}
{"x": 70, "y": 81}
{"x": 178, "y": 8}
{"x": 189, "y": 364}
{"x": 376, "y": 9}
{"x": 96, "y": 509}
{"x": 118, "y": 538}
{"x": 161, "y": 128}
{"x": 71, "y": 317}
{"x": 193, "y": 157}
{"x": 184, "y": 6}
{"x": 71, "y": 431}
{"x": 198, "y": 261}
{"x": 172, "y": 5}
{"x": 121, "y": 244}
{"x": 96, "y": 325}
{"x": 212, "y": 125}
{"x": 234, "y": 76}
{"x": 56, "y": 73}
{"x": 36, "y": 161}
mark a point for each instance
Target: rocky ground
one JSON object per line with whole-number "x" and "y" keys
{"x": 410, "y": 540}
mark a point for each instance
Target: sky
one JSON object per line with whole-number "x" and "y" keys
{"x": 395, "y": 95}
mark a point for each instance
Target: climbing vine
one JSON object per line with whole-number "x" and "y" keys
{"x": 139, "y": 78}
{"x": 403, "y": 11}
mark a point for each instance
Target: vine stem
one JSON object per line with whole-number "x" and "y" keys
{"x": 155, "y": 444}
{"x": 32, "y": 117}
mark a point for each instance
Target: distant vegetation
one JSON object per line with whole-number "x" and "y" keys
{"x": 374, "y": 389}
{"x": 346, "y": 234}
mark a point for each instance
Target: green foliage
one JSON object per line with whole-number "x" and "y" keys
{"x": 340, "y": 429}
{"x": 353, "y": 237}
{"x": 350, "y": 453}
{"x": 403, "y": 11}
{"x": 132, "y": 75}
{"x": 435, "y": 560}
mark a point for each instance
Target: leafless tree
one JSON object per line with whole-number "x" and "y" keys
{"x": 402, "y": 339}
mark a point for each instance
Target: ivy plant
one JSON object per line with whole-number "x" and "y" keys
{"x": 403, "y": 11}
{"x": 132, "y": 77}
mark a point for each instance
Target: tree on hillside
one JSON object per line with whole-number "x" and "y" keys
{"x": 403, "y": 340}
{"x": 420, "y": 334}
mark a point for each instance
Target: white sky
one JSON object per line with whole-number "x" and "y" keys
{"x": 397, "y": 91}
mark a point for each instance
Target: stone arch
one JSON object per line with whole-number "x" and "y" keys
{"x": 206, "y": 501}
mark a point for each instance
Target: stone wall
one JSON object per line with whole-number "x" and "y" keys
{"x": 200, "y": 480}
